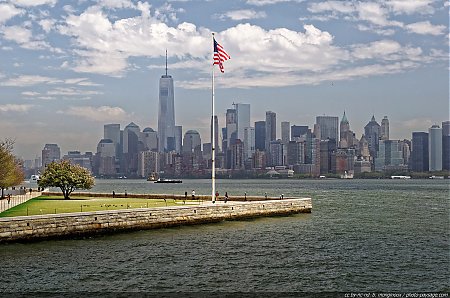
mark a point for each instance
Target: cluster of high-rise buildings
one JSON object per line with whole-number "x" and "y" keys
{"x": 245, "y": 148}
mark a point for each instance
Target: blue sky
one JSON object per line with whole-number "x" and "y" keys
{"x": 69, "y": 67}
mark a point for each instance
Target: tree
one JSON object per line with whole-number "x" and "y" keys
{"x": 67, "y": 177}
{"x": 11, "y": 173}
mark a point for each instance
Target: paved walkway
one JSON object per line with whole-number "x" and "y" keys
{"x": 17, "y": 200}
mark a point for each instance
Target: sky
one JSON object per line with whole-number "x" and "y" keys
{"x": 69, "y": 67}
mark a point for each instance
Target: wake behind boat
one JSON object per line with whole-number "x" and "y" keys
{"x": 165, "y": 180}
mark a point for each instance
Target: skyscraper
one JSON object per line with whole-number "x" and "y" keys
{"x": 446, "y": 145}
{"x": 271, "y": 129}
{"x": 260, "y": 135}
{"x": 298, "y": 130}
{"x": 419, "y": 152}
{"x": 231, "y": 125}
{"x": 384, "y": 129}
{"x": 285, "y": 132}
{"x": 435, "y": 148}
{"x": 112, "y": 132}
{"x": 344, "y": 129}
{"x": 242, "y": 119}
{"x": 328, "y": 127}
{"x": 166, "y": 114}
{"x": 178, "y": 138}
{"x": 50, "y": 153}
{"x": 216, "y": 132}
{"x": 372, "y": 132}
{"x": 249, "y": 142}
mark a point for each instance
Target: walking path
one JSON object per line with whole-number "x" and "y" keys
{"x": 17, "y": 200}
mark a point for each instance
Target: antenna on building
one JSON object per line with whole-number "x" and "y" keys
{"x": 166, "y": 62}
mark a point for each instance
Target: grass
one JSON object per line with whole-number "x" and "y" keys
{"x": 53, "y": 205}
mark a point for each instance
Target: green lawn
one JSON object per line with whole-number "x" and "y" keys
{"x": 53, "y": 205}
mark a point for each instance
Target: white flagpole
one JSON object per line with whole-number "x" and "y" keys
{"x": 213, "y": 139}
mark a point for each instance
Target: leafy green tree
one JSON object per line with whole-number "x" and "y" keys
{"x": 11, "y": 173}
{"x": 67, "y": 177}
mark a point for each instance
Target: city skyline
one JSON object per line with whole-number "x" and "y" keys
{"x": 68, "y": 69}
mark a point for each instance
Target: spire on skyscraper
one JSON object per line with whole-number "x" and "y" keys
{"x": 344, "y": 119}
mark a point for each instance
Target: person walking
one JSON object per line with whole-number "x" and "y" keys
{"x": 226, "y": 197}
{"x": 193, "y": 194}
{"x": 217, "y": 196}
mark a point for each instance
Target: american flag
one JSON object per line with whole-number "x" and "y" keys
{"x": 219, "y": 55}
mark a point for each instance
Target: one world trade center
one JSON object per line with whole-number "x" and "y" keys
{"x": 166, "y": 114}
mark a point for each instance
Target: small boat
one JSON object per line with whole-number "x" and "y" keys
{"x": 165, "y": 180}
{"x": 152, "y": 177}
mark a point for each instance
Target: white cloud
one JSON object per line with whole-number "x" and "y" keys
{"x": 8, "y": 11}
{"x": 47, "y": 24}
{"x": 71, "y": 92}
{"x": 374, "y": 13}
{"x": 243, "y": 14}
{"x": 332, "y": 6}
{"x": 426, "y": 28}
{"x": 269, "y": 2}
{"x": 116, "y": 3}
{"x": 97, "y": 114}
{"x": 30, "y": 93}
{"x": 23, "y": 37}
{"x": 411, "y": 6}
{"x": 28, "y": 3}
{"x": 17, "y": 33}
{"x": 28, "y": 80}
{"x": 22, "y": 108}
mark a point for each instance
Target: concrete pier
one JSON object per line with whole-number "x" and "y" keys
{"x": 67, "y": 225}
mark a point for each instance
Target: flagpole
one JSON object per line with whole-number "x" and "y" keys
{"x": 213, "y": 139}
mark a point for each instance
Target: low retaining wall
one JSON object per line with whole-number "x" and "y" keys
{"x": 163, "y": 196}
{"x": 27, "y": 228}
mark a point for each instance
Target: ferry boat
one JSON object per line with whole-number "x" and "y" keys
{"x": 165, "y": 180}
{"x": 400, "y": 177}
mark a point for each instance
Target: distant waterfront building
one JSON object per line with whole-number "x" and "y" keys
{"x": 296, "y": 152}
{"x": 150, "y": 139}
{"x": 435, "y": 148}
{"x": 178, "y": 138}
{"x": 105, "y": 158}
{"x": 276, "y": 153}
{"x": 249, "y": 142}
{"x": 298, "y": 130}
{"x": 384, "y": 135}
{"x": 389, "y": 156}
{"x": 83, "y": 160}
{"x": 148, "y": 163}
{"x": 419, "y": 152}
{"x": 285, "y": 132}
{"x": 260, "y": 135}
{"x": 166, "y": 113}
{"x": 191, "y": 141}
{"x": 446, "y": 145}
{"x": 130, "y": 148}
{"x": 242, "y": 119}
{"x": 112, "y": 132}
{"x": 271, "y": 129}
{"x": 237, "y": 155}
{"x": 328, "y": 127}
{"x": 327, "y": 156}
{"x": 50, "y": 153}
{"x": 372, "y": 132}
{"x": 344, "y": 133}
{"x": 345, "y": 160}
{"x": 231, "y": 126}
{"x": 216, "y": 133}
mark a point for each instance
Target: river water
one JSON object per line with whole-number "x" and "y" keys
{"x": 362, "y": 235}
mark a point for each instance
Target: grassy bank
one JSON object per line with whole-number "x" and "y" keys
{"x": 56, "y": 204}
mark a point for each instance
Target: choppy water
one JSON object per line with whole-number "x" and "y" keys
{"x": 373, "y": 235}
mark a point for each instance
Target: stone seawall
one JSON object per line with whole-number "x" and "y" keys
{"x": 28, "y": 228}
{"x": 163, "y": 196}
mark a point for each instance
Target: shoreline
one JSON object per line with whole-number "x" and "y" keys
{"x": 79, "y": 224}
